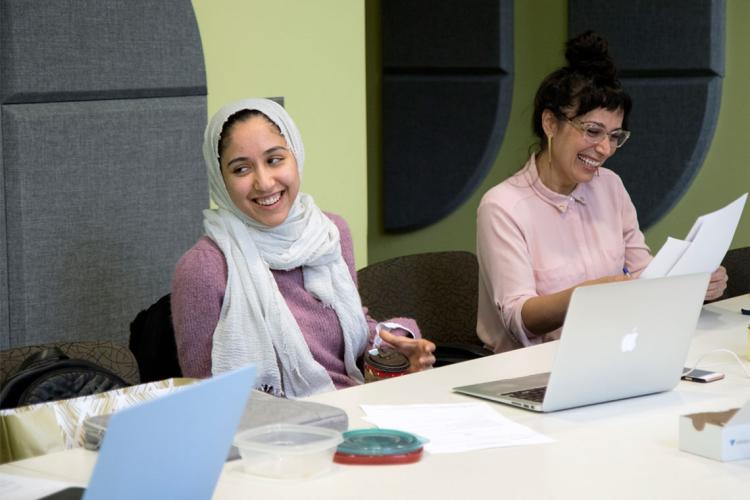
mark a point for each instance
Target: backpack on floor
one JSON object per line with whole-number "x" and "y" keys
{"x": 50, "y": 375}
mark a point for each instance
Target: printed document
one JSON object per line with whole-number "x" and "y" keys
{"x": 703, "y": 249}
{"x": 452, "y": 428}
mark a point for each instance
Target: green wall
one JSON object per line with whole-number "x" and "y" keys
{"x": 312, "y": 54}
{"x": 540, "y": 31}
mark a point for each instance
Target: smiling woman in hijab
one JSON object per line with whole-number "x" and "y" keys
{"x": 273, "y": 280}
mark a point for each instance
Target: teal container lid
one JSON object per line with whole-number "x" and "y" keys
{"x": 379, "y": 442}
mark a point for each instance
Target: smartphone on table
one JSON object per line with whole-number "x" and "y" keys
{"x": 701, "y": 375}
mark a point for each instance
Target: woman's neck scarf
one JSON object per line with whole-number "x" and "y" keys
{"x": 255, "y": 324}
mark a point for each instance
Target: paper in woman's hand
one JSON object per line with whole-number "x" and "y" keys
{"x": 703, "y": 249}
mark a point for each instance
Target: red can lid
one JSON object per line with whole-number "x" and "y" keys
{"x": 401, "y": 458}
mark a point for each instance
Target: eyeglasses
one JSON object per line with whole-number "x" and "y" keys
{"x": 595, "y": 133}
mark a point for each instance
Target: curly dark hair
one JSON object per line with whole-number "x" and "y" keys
{"x": 588, "y": 82}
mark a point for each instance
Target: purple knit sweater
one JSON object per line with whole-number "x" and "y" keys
{"x": 198, "y": 286}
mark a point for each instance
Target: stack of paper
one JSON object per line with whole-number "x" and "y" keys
{"x": 703, "y": 249}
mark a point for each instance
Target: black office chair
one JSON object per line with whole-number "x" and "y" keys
{"x": 438, "y": 289}
{"x": 737, "y": 263}
{"x": 153, "y": 344}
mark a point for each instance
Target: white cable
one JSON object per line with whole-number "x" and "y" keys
{"x": 737, "y": 358}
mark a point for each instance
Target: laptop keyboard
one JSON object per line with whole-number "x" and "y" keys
{"x": 536, "y": 394}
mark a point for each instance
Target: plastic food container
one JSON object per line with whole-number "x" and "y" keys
{"x": 287, "y": 451}
{"x": 379, "y": 447}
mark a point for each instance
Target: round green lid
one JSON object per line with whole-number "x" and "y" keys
{"x": 378, "y": 442}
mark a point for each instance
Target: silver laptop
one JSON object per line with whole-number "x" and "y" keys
{"x": 171, "y": 447}
{"x": 619, "y": 340}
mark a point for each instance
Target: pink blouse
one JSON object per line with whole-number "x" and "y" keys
{"x": 532, "y": 241}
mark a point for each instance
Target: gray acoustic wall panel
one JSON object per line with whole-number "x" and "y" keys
{"x": 103, "y": 109}
{"x": 4, "y": 314}
{"x": 439, "y": 134}
{"x": 97, "y": 211}
{"x": 662, "y": 36}
{"x": 671, "y": 59}
{"x": 447, "y": 83}
{"x": 447, "y": 34}
{"x": 656, "y": 167}
{"x": 91, "y": 49}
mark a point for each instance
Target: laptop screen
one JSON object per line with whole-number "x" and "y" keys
{"x": 174, "y": 446}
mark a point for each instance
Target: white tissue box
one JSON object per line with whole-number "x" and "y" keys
{"x": 722, "y": 435}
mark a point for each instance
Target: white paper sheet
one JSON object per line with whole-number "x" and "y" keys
{"x": 703, "y": 249}
{"x": 453, "y": 428}
{"x": 14, "y": 487}
{"x": 666, "y": 258}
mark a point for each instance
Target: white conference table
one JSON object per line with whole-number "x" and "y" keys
{"x": 622, "y": 449}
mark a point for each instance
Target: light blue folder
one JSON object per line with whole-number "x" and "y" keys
{"x": 174, "y": 446}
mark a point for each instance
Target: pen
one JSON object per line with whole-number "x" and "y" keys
{"x": 626, "y": 271}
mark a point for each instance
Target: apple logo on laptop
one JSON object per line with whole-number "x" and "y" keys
{"x": 628, "y": 342}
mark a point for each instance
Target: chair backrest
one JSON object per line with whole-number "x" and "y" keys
{"x": 438, "y": 289}
{"x": 153, "y": 344}
{"x": 737, "y": 263}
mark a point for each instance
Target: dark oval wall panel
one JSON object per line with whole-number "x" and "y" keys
{"x": 440, "y": 139}
{"x": 447, "y": 84}
{"x": 447, "y": 34}
{"x": 671, "y": 60}
{"x": 656, "y": 167}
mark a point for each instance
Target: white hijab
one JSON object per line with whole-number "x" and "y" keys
{"x": 255, "y": 324}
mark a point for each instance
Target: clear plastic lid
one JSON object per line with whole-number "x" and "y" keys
{"x": 287, "y": 438}
{"x": 379, "y": 442}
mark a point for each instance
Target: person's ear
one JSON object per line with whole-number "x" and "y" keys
{"x": 549, "y": 123}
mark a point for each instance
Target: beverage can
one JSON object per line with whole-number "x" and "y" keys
{"x": 384, "y": 363}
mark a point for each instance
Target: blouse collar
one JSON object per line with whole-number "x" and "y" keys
{"x": 560, "y": 201}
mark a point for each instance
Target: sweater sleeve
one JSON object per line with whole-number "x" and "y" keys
{"x": 198, "y": 288}
{"x": 347, "y": 251}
